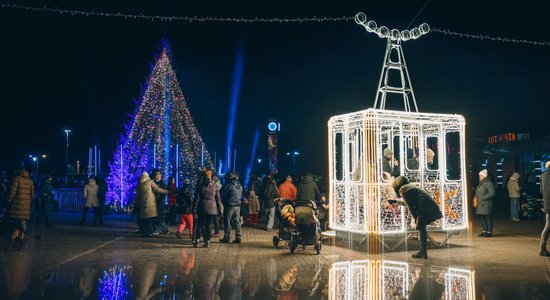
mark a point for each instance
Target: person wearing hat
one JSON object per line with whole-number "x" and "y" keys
{"x": 514, "y": 195}
{"x": 185, "y": 209}
{"x": 389, "y": 163}
{"x": 421, "y": 205}
{"x": 485, "y": 194}
{"x": 147, "y": 203}
{"x": 545, "y": 190}
{"x": 287, "y": 189}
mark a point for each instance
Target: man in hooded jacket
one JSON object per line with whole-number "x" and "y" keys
{"x": 231, "y": 194}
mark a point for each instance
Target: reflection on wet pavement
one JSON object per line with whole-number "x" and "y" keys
{"x": 361, "y": 279}
{"x": 374, "y": 279}
{"x": 95, "y": 265}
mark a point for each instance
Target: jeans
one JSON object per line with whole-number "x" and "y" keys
{"x": 545, "y": 232}
{"x": 270, "y": 212}
{"x": 232, "y": 216}
{"x": 488, "y": 223}
{"x": 160, "y": 221}
{"x": 514, "y": 208}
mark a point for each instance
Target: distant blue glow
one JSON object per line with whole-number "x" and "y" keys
{"x": 235, "y": 92}
{"x": 253, "y": 154}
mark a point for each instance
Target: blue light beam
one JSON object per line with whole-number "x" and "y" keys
{"x": 235, "y": 92}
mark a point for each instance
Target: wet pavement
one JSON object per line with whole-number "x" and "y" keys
{"x": 113, "y": 262}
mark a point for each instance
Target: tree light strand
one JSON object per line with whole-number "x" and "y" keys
{"x": 253, "y": 20}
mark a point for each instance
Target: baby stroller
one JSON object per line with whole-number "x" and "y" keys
{"x": 284, "y": 210}
{"x": 307, "y": 230}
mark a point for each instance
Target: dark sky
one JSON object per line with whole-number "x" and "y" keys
{"x": 78, "y": 72}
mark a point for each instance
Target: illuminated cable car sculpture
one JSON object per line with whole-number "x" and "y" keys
{"x": 428, "y": 147}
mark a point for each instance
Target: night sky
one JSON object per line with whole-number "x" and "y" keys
{"x": 83, "y": 73}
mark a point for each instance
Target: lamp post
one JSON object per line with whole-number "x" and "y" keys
{"x": 67, "y": 131}
{"x": 294, "y": 154}
{"x": 36, "y": 160}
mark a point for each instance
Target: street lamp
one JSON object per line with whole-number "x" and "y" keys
{"x": 294, "y": 154}
{"x": 67, "y": 131}
{"x": 36, "y": 159}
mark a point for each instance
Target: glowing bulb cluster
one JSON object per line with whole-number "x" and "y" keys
{"x": 393, "y": 34}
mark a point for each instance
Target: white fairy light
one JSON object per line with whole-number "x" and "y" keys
{"x": 358, "y": 190}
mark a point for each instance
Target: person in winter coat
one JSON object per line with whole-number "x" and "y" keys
{"x": 485, "y": 194}
{"x": 422, "y": 207}
{"x": 147, "y": 203}
{"x": 545, "y": 190}
{"x": 209, "y": 205}
{"x": 46, "y": 199}
{"x": 390, "y": 165}
{"x": 253, "y": 207}
{"x": 19, "y": 199}
{"x": 308, "y": 189}
{"x": 217, "y": 219}
{"x": 231, "y": 194}
{"x": 185, "y": 209}
{"x": 287, "y": 189}
{"x": 514, "y": 195}
{"x": 270, "y": 193}
{"x": 172, "y": 201}
{"x": 102, "y": 189}
{"x": 90, "y": 194}
{"x": 162, "y": 209}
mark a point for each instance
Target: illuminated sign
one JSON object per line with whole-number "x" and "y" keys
{"x": 273, "y": 126}
{"x": 507, "y": 137}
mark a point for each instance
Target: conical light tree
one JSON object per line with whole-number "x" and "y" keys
{"x": 161, "y": 134}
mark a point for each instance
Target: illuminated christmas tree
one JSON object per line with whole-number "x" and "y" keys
{"x": 161, "y": 134}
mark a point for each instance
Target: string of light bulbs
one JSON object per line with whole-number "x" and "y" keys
{"x": 252, "y": 20}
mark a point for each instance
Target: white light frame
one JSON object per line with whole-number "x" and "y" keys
{"x": 357, "y": 193}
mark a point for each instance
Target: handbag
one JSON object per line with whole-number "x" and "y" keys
{"x": 475, "y": 202}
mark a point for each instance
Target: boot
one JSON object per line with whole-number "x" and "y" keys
{"x": 543, "y": 251}
{"x": 206, "y": 244}
{"x": 195, "y": 243}
{"x": 421, "y": 254}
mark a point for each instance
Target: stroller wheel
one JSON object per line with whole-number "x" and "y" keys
{"x": 318, "y": 247}
{"x": 276, "y": 241}
{"x": 293, "y": 246}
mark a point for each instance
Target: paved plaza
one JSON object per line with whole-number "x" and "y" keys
{"x": 113, "y": 262}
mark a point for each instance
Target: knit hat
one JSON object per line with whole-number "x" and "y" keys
{"x": 483, "y": 172}
{"x": 288, "y": 177}
{"x": 398, "y": 183}
{"x": 388, "y": 151}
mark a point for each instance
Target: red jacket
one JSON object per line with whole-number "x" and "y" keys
{"x": 172, "y": 195}
{"x": 287, "y": 190}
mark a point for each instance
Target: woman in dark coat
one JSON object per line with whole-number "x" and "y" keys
{"x": 209, "y": 204}
{"x": 421, "y": 205}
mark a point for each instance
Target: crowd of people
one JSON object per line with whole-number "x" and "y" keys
{"x": 209, "y": 203}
